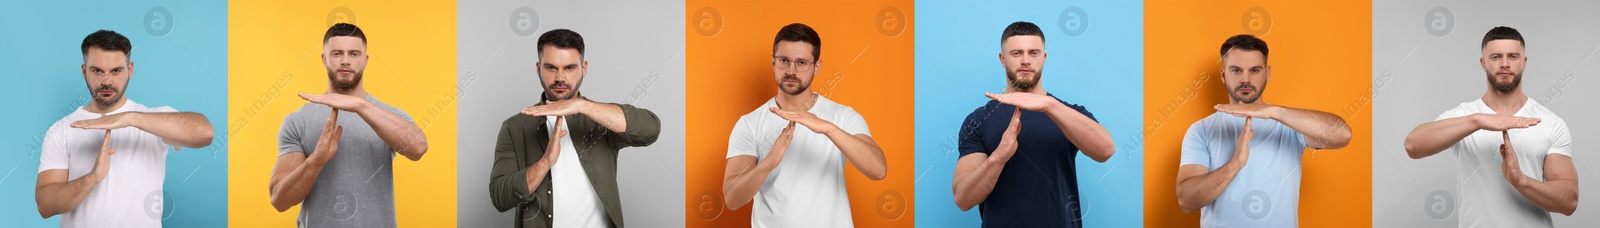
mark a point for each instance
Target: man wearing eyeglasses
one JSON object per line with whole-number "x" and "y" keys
{"x": 808, "y": 189}
{"x": 556, "y": 179}
{"x": 1026, "y": 121}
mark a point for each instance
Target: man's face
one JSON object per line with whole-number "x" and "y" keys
{"x": 1023, "y": 57}
{"x": 106, "y": 73}
{"x": 793, "y": 67}
{"x": 1503, "y": 63}
{"x": 561, "y": 70}
{"x": 346, "y": 60}
{"x": 1245, "y": 74}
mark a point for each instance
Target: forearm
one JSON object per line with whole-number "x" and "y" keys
{"x": 404, "y": 136}
{"x": 740, "y": 189}
{"x": 1559, "y": 196}
{"x": 293, "y": 187}
{"x": 1198, "y": 191}
{"x": 186, "y": 129}
{"x": 1322, "y": 130}
{"x": 606, "y": 114}
{"x": 537, "y": 172}
{"x": 864, "y": 154}
{"x": 1088, "y": 135}
{"x": 1432, "y": 137}
{"x": 60, "y": 198}
{"x": 972, "y": 187}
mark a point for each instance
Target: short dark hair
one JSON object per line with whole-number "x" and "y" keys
{"x": 561, "y": 38}
{"x": 1245, "y": 42}
{"x": 109, "y": 41}
{"x": 1502, "y": 33}
{"x": 798, "y": 32}
{"x": 1021, "y": 28}
{"x": 344, "y": 29}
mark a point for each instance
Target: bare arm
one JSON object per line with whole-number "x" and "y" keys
{"x": 977, "y": 173}
{"x": 1322, "y": 130}
{"x": 407, "y": 139}
{"x": 1432, "y": 137}
{"x": 1085, "y": 133}
{"x": 862, "y": 152}
{"x": 185, "y": 129}
{"x": 296, "y": 173}
{"x": 744, "y": 176}
{"x": 56, "y": 195}
{"x": 1198, "y": 187}
{"x": 1559, "y": 191}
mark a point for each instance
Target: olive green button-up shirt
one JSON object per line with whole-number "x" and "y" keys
{"x": 523, "y": 140}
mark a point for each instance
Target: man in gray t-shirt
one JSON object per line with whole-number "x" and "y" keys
{"x": 343, "y": 181}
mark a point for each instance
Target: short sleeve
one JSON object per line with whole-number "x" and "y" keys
{"x": 852, "y": 122}
{"x": 1561, "y": 140}
{"x": 1197, "y": 146}
{"x": 289, "y": 137}
{"x": 970, "y": 135}
{"x": 741, "y": 141}
{"x": 163, "y": 109}
{"x": 53, "y": 153}
{"x": 1298, "y": 139}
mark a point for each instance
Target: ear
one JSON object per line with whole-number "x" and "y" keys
{"x": 583, "y": 68}
{"x": 130, "y": 69}
{"x": 84, "y": 68}
{"x": 817, "y": 68}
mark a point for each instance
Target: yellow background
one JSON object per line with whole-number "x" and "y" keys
{"x": 274, "y": 52}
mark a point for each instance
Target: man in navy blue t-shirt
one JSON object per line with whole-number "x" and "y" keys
{"x": 1017, "y": 150}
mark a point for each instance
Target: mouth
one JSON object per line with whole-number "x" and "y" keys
{"x": 106, "y": 93}
{"x": 1025, "y": 72}
{"x": 346, "y": 71}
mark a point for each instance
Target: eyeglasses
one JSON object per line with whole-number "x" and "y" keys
{"x": 784, "y": 63}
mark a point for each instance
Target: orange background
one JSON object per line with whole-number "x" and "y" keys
{"x": 1320, "y": 53}
{"x": 730, "y": 74}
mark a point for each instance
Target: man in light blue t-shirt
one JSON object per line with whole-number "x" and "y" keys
{"x": 1217, "y": 173}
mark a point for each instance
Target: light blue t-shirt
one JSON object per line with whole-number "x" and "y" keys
{"x": 1266, "y": 193}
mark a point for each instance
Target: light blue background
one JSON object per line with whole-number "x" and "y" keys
{"x": 186, "y": 69}
{"x": 957, "y": 60}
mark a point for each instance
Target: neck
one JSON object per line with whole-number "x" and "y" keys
{"x": 96, "y": 108}
{"x": 1505, "y": 102}
{"x": 803, "y": 101}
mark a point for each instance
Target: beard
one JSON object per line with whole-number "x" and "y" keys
{"x": 572, "y": 91}
{"x": 344, "y": 85}
{"x": 116, "y": 95}
{"x": 1247, "y": 99}
{"x": 803, "y": 85}
{"x": 1516, "y": 82}
{"x": 1021, "y": 84}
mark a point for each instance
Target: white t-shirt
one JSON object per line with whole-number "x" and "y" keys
{"x": 130, "y": 195}
{"x": 575, "y": 204}
{"x": 807, "y": 189}
{"x": 1487, "y": 200}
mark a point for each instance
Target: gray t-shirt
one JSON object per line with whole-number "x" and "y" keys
{"x": 356, "y": 188}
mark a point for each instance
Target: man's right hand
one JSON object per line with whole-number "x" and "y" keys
{"x": 328, "y": 144}
{"x": 1241, "y": 150}
{"x": 782, "y": 143}
{"x": 1008, "y": 140}
{"x": 551, "y": 151}
{"x": 1500, "y": 122}
{"x": 102, "y": 164}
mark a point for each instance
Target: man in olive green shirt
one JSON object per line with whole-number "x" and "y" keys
{"x": 557, "y": 179}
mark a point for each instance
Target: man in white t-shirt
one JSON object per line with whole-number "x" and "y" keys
{"x": 81, "y": 174}
{"x": 807, "y": 190}
{"x": 1530, "y": 143}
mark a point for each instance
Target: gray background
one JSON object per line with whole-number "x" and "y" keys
{"x": 635, "y": 54}
{"x": 1420, "y": 71}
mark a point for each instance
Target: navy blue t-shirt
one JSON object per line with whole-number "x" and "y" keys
{"x": 1038, "y": 187}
